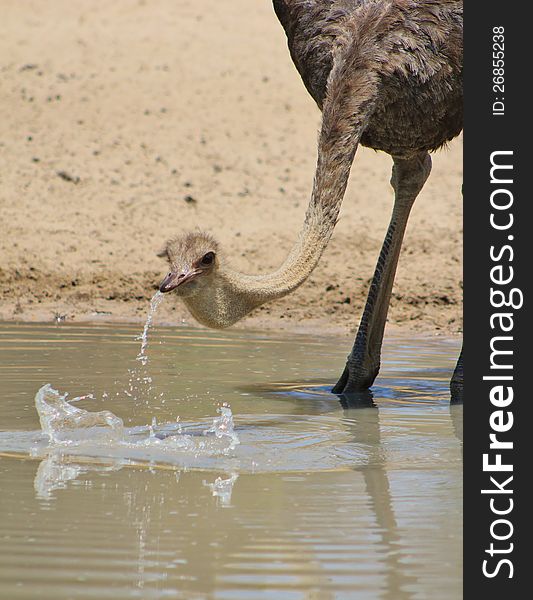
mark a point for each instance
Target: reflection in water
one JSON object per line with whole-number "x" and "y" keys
{"x": 361, "y": 399}
{"x": 456, "y": 414}
{"x": 374, "y": 471}
{"x": 57, "y": 470}
{"x": 53, "y": 474}
{"x": 324, "y": 497}
{"x": 378, "y": 490}
{"x": 222, "y": 488}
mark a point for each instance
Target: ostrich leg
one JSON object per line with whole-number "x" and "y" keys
{"x": 362, "y": 366}
{"x": 456, "y": 384}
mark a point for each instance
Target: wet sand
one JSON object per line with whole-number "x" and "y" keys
{"x": 126, "y": 123}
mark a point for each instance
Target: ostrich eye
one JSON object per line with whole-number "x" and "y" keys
{"x": 208, "y": 258}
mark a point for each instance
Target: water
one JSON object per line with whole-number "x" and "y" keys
{"x": 154, "y": 303}
{"x": 227, "y": 470}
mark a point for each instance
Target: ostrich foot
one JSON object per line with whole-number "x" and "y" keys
{"x": 356, "y": 377}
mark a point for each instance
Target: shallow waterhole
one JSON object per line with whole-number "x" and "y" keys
{"x": 310, "y": 495}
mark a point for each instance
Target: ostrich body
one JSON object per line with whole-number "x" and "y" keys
{"x": 386, "y": 74}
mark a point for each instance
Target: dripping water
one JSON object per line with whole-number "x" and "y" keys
{"x": 154, "y": 303}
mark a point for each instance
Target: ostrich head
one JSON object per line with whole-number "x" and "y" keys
{"x": 193, "y": 264}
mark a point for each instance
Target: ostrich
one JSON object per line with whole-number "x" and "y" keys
{"x": 386, "y": 74}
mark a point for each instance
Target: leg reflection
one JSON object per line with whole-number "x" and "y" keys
{"x": 359, "y": 399}
{"x": 393, "y": 553}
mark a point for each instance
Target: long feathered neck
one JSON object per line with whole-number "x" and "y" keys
{"x": 349, "y": 100}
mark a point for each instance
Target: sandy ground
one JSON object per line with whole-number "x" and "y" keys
{"x": 123, "y": 123}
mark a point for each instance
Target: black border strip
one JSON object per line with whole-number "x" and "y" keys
{"x": 497, "y": 125}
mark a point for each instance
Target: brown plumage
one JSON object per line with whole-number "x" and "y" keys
{"x": 404, "y": 54}
{"x": 386, "y": 74}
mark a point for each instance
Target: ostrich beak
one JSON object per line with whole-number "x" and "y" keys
{"x": 173, "y": 280}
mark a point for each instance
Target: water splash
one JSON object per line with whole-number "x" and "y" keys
{"x": 75, "y": 431}
{"x": 269, "y": 443}
{"x": 68, "y": 432}
{"x": 154, "y": 303}
{"x": 223, "y": 426}
{"x": 62, "y": 422}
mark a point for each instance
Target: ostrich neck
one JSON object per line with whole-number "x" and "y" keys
{"x": 349, "y": 102}
{"x": 232, "y": 295}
